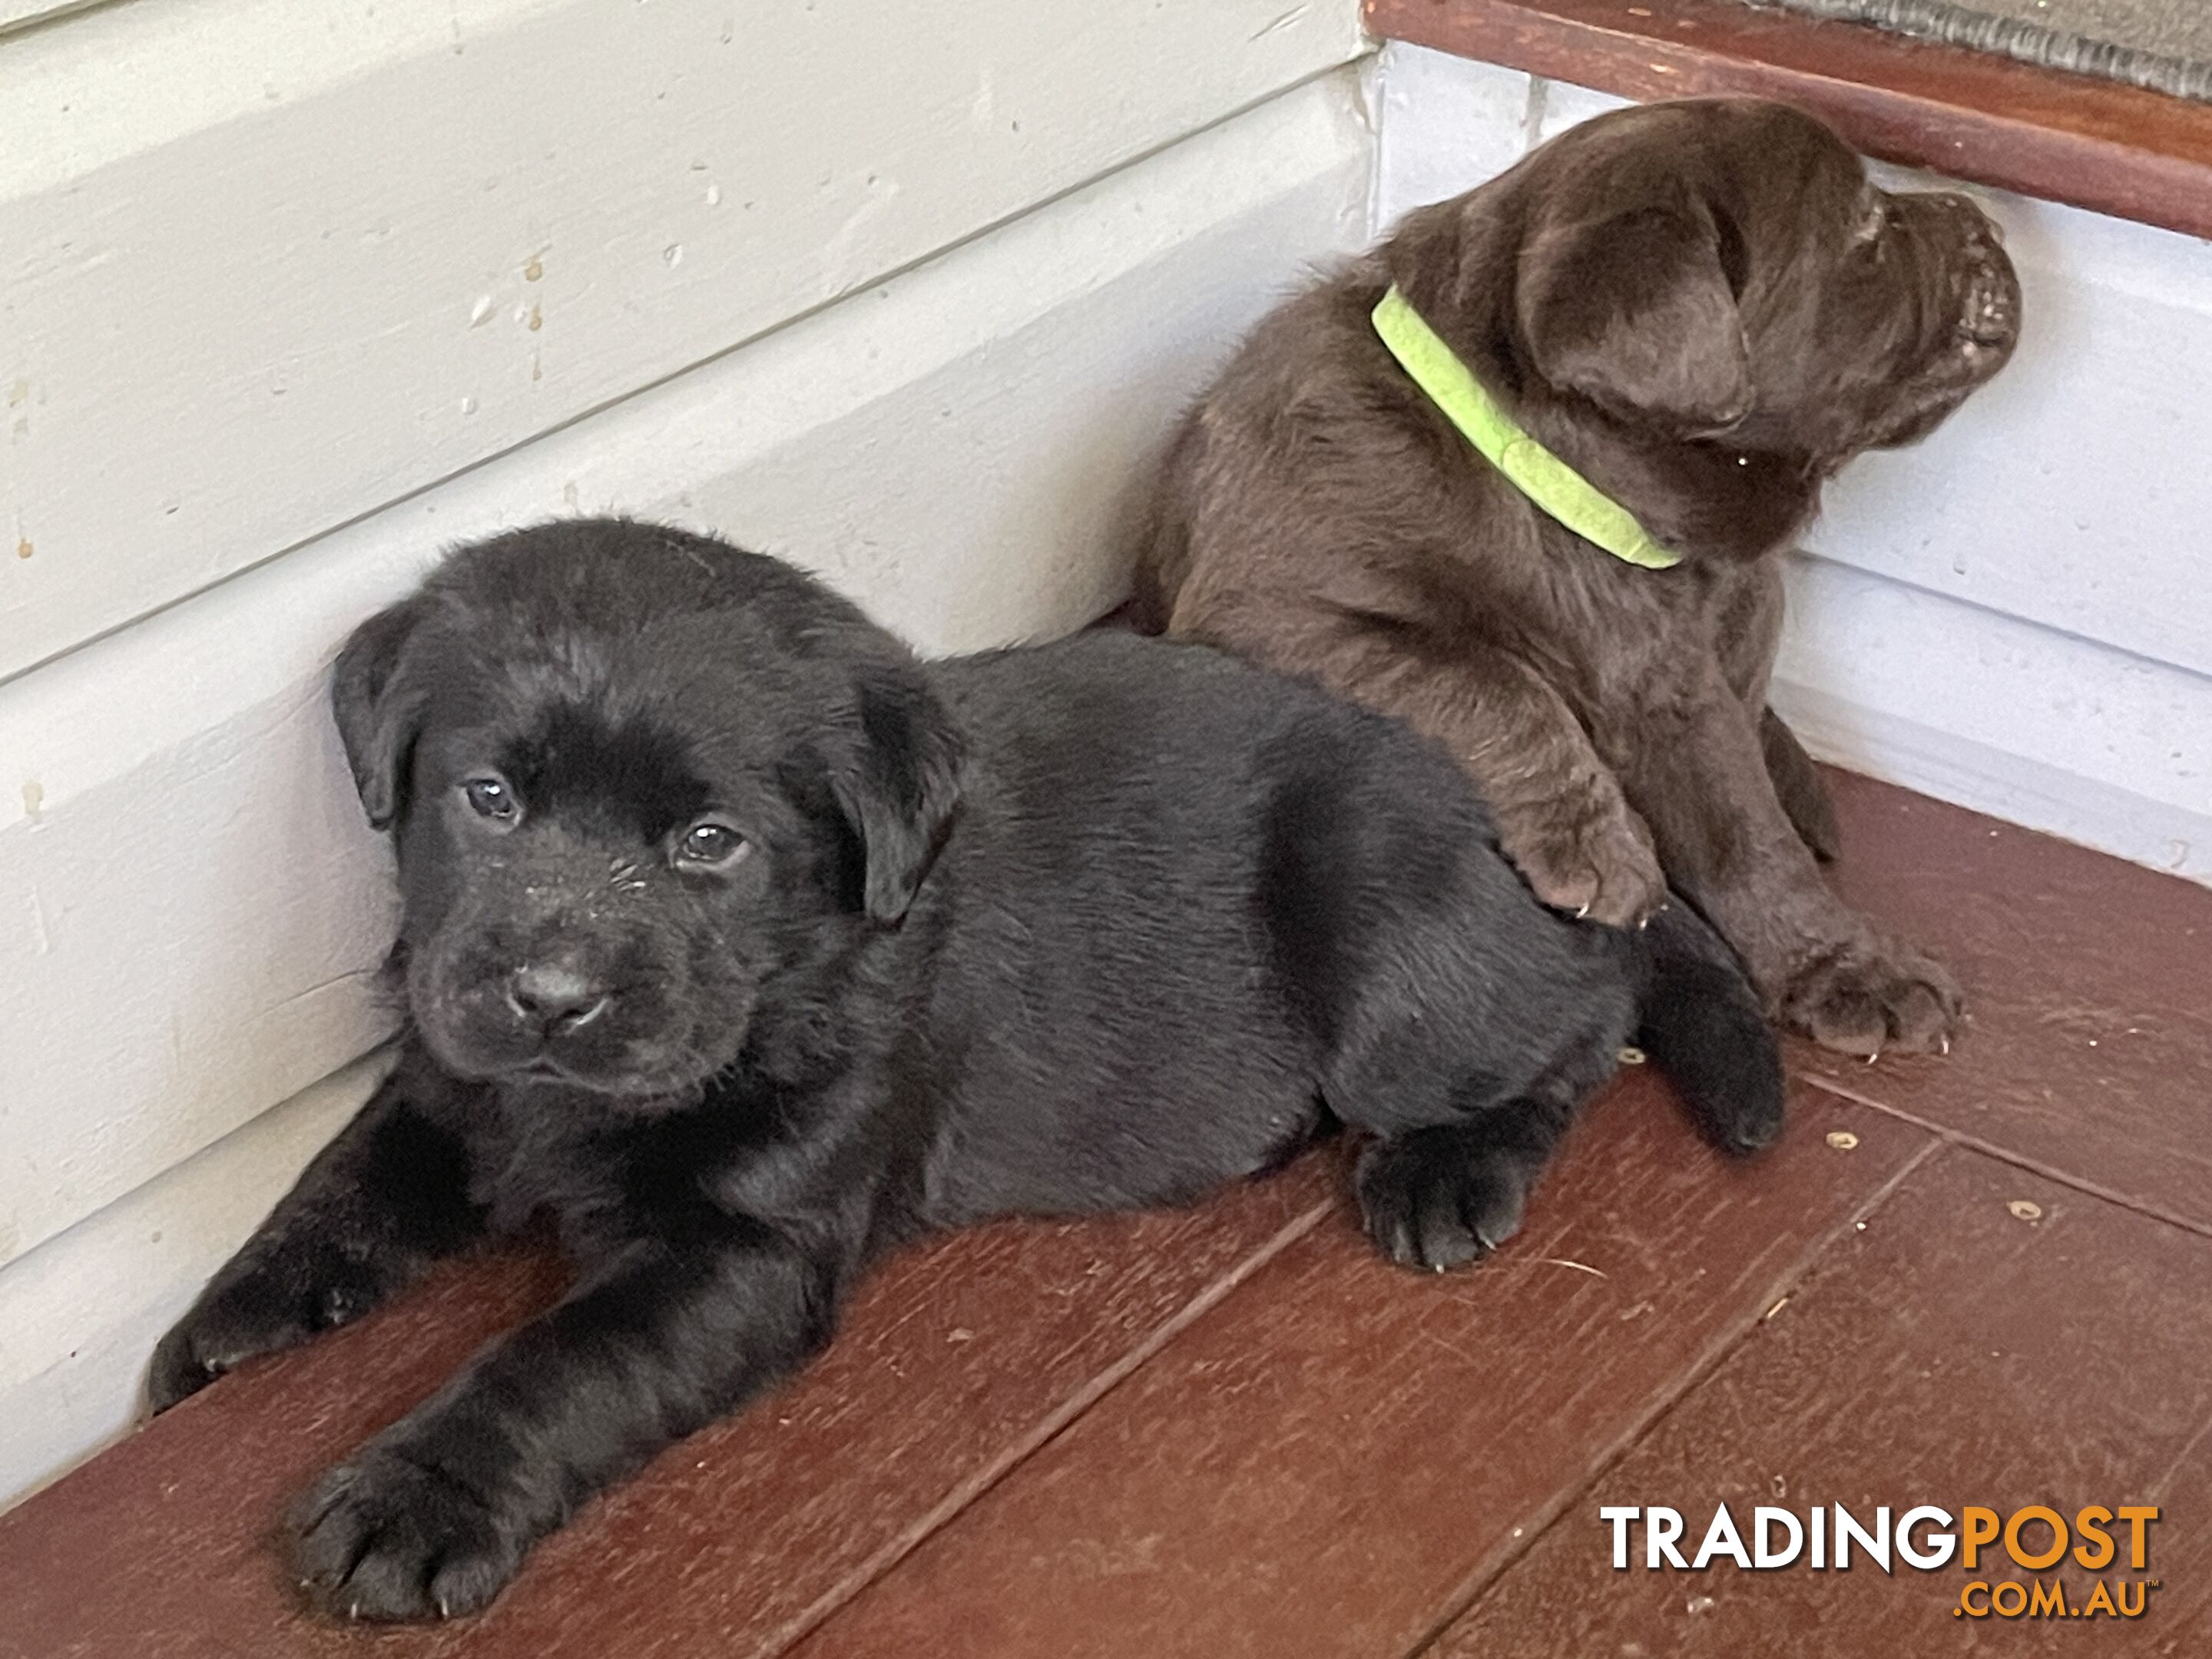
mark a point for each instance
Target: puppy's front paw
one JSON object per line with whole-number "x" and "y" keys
{"x": 1874, "y": 995}
{"x": 384, "y": 1537}
{"x": 1599, "y": 863}
{"x": 260, "y": 1309}
{"x": 203, "y": 1345}
{"x": 1439, "y": 1198}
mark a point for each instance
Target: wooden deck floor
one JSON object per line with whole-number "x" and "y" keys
{"x": 1980, "y": 1280}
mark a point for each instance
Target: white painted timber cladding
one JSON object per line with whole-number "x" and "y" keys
{"x": 267, "y": 267}
{"x": 17, "y": 13}
{"x": 79, "y": 1317}
{"x": 2011, "y": 615}
{"x": 189, "y": 904}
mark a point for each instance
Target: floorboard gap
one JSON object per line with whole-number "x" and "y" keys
{"x": 1043, "y": 1432}
{"x": 1664, "y": 1401}
{"x": 2018, "y": 1160}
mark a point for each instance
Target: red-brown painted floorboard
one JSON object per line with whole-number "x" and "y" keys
{"x": 1952, "y": 1353}
{"x": 955, "y": 1352}
{"x": 1319, "y": 1466}
{"x": 1975, "y": 115}
{"x": 1233, "y": 1431}
{"x": 2089, "y": 986}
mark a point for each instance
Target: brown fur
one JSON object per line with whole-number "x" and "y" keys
{"x": 1705, "y": 308}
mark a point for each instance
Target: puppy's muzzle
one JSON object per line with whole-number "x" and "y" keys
{"x": 1985, "y": 288}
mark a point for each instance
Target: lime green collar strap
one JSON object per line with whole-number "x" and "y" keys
{"x": 1533, "y": 470}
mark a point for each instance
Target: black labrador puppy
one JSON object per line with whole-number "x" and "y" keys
{"x": 749, "y": 946}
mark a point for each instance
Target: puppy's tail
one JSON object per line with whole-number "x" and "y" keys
{"x": 1702, "y": 1025}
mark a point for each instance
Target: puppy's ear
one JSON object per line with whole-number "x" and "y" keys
{"x": 1635, "y": 312}
{"x": 377, "y": 718}
{"x": 900, "y": 785}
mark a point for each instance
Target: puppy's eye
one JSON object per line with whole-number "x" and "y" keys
{"x": 490, "y": 797}
{"x": 711, "y": 844}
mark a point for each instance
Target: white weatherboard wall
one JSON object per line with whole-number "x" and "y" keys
{"x": 16, "y": 14}
{"x": 189, "y": 904}
{"x": 265, "y": 266}
{"x": 2012, "y": 615}
{"x": 78, "y": 1318}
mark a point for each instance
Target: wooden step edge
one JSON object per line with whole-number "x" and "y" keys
{"x": 1992, "y": 121}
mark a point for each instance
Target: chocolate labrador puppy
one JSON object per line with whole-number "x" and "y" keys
{"x": 749, "y": 946}
{"x": 1703, "y": 309}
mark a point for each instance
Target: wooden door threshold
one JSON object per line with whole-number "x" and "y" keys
{"x": 2071, "y": 138}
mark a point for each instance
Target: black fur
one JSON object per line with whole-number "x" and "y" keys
{"x": 1101, "y": 924}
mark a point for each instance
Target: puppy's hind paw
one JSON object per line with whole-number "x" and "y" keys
{"x": 1440, "y": 1198}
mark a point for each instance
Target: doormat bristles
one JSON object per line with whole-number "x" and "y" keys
{"x": 2163, "y": 45}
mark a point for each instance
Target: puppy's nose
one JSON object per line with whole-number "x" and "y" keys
{"x": 553, "y": 997}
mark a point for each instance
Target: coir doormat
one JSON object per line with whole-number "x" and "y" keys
{"x": 2164, "y": 45}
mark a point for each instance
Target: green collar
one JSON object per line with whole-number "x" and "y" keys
{"x": 1533, "y": 470}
